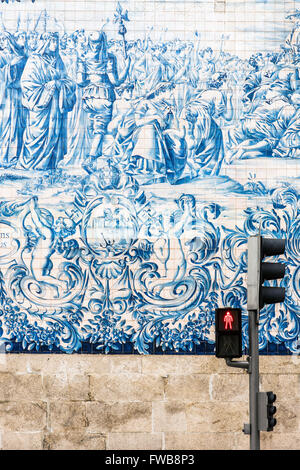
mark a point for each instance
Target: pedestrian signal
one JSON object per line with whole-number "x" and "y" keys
{"x": 228, "y": 324}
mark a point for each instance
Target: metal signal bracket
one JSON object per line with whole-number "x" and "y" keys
{"x": 239, "y": 364}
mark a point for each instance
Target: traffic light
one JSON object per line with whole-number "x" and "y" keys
{"x": 271, "y": 410}
{"x": 266, "y": 411}
{"x": 258, "y": 272}
{"x": 228, "y": 324}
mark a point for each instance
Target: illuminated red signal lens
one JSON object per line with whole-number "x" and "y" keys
{"x": 228, "y": 320}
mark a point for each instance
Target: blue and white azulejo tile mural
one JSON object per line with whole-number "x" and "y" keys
{"x": 141, "y": 144}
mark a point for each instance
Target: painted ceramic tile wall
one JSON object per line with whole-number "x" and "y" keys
{"x": 141, "y": 144}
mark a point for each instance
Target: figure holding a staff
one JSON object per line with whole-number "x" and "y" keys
{"x": 98, "y": 73}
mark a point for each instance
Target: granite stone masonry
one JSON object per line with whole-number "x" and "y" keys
{"x": 106, "y": 406}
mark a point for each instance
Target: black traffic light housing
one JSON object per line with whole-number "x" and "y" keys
{"x": 260, "y": 271}
{"x": 271, "y": 271}
{"x": 266, "y": 411}
{"x": 228, "y": 329}
{"x": 271, "y": 410}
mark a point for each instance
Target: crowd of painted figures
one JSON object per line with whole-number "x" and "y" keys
{"x": 154, "y": 108}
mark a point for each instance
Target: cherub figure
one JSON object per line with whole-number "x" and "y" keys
{"x": 47, "y": 234}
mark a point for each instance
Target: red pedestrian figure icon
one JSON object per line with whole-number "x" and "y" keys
{"x": 228, "y": 320}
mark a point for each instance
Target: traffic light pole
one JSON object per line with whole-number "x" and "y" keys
{"x": 252, "y": 367}
{"x": 253, "y": 380}
{"x": 259, "y": 295}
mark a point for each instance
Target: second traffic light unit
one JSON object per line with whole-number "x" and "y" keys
{"x": 266, "y": 411}
{"x": 258, "y": 271}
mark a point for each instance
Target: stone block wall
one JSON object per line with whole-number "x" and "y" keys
{"x": 98, "y": 402}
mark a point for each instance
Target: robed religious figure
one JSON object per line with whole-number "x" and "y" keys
{"x": 49, "y": 95}
{"x": 12, "y": 113}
